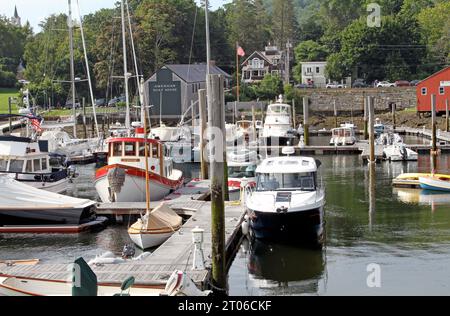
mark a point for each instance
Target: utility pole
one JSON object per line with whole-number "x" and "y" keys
{"x": 217, "y": 120}
{"x": 72, "y": 69}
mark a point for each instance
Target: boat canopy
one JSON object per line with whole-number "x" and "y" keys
{"x": 289, "y": 164}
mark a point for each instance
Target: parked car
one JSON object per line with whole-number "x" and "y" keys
{"x": 359, "y": 83}
{"x": 69, "y": 104}
{"x": 402, "y": 83}
{"x": 385, "y": 84}
{"x": 304, "y": 86}
{"x": 335, "y": 85}
{"x": 114, "y": 101}
{"x": 414, "y": 83}
{"x": 100, "y": 102}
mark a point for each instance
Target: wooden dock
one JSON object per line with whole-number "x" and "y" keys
{"x": 175, "y": 254}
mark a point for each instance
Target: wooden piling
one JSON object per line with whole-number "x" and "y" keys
{"x": 366, "y": 118}
{"x": 253, "y": 122}
{"x": 217, "y": 119}
{"x": 394, "y": 108}
{"x": 10, "y": 111}
{"x": 203, "y": 124}
{"x": 305, "y": 121}
{"x": 446, "y": 116}
{"x": 370, "y": 101}
{"x": 372, "y": 195}
{"x": 335, "y": 114}
{"x": 433, "y": 152}
{"x": 294, "y": 121}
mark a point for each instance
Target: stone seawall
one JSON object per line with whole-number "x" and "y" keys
{"x": 352, "y": 100}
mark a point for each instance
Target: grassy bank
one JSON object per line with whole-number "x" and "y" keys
{"x": 5, "y": 93}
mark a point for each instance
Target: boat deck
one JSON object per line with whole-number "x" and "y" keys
{"x": 175, "y": 253}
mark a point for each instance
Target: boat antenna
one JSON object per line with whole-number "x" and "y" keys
{"x": 91, "y": 90}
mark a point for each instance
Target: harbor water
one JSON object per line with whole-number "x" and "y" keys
{"x": 402, "y": 234}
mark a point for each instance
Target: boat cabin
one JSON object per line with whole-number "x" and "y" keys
{"x": 131, "y": 151}
{"x": 287, "y": 174}
{"x": 343, "y": 132}
{"x": 279, "y": 109}
{"x": 22, "y": 155}
{"x": 244, "y": 124}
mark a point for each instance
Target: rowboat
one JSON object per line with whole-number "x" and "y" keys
{"x": 435, "y": 183}
{"x": 412, "y": 179}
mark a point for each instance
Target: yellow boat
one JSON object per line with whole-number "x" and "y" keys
{"x": 411, "y": 180}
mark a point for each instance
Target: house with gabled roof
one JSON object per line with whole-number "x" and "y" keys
{"x": 262, "y": 63}
{"x": 438, "y": 84}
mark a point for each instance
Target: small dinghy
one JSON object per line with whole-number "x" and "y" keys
{"x": 411, "y": 180}
{"x": 155, "y": 227}
{"x": 435, "y": 183}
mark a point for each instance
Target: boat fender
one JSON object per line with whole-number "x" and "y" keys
{"x": 245, "y": 225}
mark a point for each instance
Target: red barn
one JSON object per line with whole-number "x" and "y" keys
{"x": 437, "y": 84}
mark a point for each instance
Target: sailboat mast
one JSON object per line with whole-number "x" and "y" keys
{"x": 72, "y": 69}
{"x": 127, "y": 100}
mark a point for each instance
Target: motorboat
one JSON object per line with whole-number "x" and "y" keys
{"x": 435, "y": 183}
{"x": 155, "y": 227}
{"x": 343, "y": 136}
{"x": 278, "y": 124}
{"x": 29, "y": 161}
{"x": 411, "y": 180}
{"x": 287, "y": 203}
{"x": 60, "y": 142}
{"x": 123, "y": 178}
{"x": 241, "y": 168}
{"x": 22, "y": 204}
{"x": 245, "y": 131}
{"x": 394, "y": 148}
{"x": 378, "y": 127}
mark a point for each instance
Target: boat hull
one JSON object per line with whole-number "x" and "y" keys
{"x": 149, "y": 240}
{"x": 133, "y": 188}
{"x": 55, "y": 187}
{"x": 301, "y": 227}
{"x": 434, "y": 184}
{"x": 72, "y": 216}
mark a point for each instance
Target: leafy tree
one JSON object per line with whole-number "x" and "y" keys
{"x": 284, "y": 23}
{"x": 310, "y": 51}
{"x": 269, "y": 88}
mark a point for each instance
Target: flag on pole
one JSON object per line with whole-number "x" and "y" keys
{"x": 240, "y": 51}
{"x": 35, "y": 123}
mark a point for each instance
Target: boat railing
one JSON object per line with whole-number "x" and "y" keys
{"x": 44, "y": 177}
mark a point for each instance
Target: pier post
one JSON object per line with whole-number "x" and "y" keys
{"x": 10, "y": 118}
{"x": 372, "y": 194}
{"x": 394, "y": 108}
{"x": 218, "y": 169}
{"x": 253, "y": 122}
{"x": 294, "y": 121}
{"x": 433, "y": 151}
{"x": 305, "y": 121}
{"x": 446, "y": 116}
{"x": 203, "y": 124}
{"x": 371, "y": 110}
{"x": 366, "y": 115}
{"x": 335, "y": 114}
{"x": 83, "y": 103}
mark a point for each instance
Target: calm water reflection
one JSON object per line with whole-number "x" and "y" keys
{"x": 407, "y": 234}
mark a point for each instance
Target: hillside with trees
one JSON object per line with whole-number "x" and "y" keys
{"x": 411, "y": 43}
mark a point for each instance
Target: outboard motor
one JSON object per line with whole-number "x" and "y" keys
{"x": 71, "y": 171}
{"x": 128, "y": 251}
{"x": 404, "y": 152}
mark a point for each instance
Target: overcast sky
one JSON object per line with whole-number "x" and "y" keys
{"x": 37, "y": 10}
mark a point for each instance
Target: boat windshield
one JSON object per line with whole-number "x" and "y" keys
{"x": 244, "y": 124}
{"x": 304, "y": 181}
{"x": 241, "y": 171}
{"x": 3, "y": 165}
{"x": 279, "y": 109}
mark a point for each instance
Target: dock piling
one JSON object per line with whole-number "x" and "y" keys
{"x": 83, "y": 103}
{"x": 394, "y": 108}
{"x": 366, "y": 115}
{"x": 203, "y": 124}
{"x": 305, "y": 121}
{"x": 446, "y": 116}
{"x": 370, "y": 105}
{"x": 335, "y": 114}
{"x": 433, "y": 152}
{"x": 294, "y": 121}
{"x": 217, "y": 119}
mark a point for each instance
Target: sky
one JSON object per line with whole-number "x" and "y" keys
{"x": 37, "y": 10}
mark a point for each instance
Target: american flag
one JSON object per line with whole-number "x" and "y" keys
{"x": 35, "y": 123}
{"x": 240, "y": 51}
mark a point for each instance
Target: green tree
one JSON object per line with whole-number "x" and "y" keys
{"x": 284, "y": 23}
{"x": 269, "y": 88}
